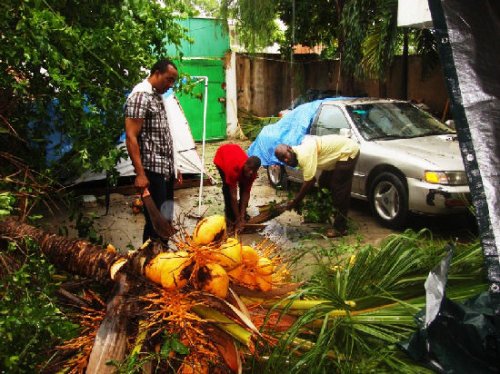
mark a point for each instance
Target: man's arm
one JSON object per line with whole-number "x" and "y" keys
{"x": 306, "y": 186}
{"x": 244, "y": 199}
{"x": 233, "y": 191}
{"x": 133, "y": 128}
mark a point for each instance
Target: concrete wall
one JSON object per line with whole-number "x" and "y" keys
{"x": 265, "y": 85}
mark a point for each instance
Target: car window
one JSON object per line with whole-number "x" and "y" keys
{"x": 330, "y": 120}
{"x": 394, "y": 121}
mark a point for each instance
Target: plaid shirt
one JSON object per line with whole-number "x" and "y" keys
{"x": 155, "y": 141}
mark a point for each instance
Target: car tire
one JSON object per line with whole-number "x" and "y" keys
{"x": 389, "y": 200}
{"x": 276, "y": 174}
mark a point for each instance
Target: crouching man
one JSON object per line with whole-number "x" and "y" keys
{"x": 236, "y": 170}
{"x": 336, "y": 157}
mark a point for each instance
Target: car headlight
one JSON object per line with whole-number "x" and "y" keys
{"x": 453, "y": 178}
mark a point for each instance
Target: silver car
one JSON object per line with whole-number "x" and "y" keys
{"x": 409, "y": 161}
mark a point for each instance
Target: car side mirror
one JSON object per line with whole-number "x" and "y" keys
{"x": 345, "y": 132}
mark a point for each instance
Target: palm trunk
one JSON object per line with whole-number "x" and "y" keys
{"x": 80, "y": 257}
{"x": 75, "y": 256}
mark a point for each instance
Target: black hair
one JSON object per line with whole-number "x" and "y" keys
{"x": 162, "y": 66}
{"x": 253, "y": 162}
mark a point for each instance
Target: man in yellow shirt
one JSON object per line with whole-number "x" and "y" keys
{"x": 336, "y": 157}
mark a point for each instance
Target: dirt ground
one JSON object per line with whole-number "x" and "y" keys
{"x": 123, "y": 228}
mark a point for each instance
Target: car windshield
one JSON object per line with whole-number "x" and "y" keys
{"x": 394, "y": 121}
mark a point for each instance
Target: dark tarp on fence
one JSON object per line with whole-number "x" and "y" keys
{"x": 467, "y": 33}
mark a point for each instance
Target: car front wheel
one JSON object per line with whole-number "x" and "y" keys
{"x": 389, "y": 200}
{"x": 277, "y": 176}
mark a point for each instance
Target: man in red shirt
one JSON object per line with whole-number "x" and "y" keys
{"x": 236, "y": 169}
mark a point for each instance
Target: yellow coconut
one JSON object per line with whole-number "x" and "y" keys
{"x": 152, "y": 269}
{"x": 264, "y": 266}
{"x": 249, "y": 255}
{"x": 247, "y": 279}
{"x": 229, "y": 255}
{"x": 264, "y": 282}
{"x": 166, "y": 268}
{"x": 235, "y": 273}
{"x": 213, "y": 278}
{"x": 172, "y": 276}
{"x": 209, "y": 229}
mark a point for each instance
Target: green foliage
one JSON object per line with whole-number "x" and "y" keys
{"x": 7, "y": 201}
{"x": 85, "y": 225}
{"x": 310, "y": 23}
{"x": 368, "y": 303}
{"x": 251, "y": 125}
{"x": 362, "y": 33}
{"x": 207, "y": 8}
{"x": 30, "y": 321}
{"x": 134, "y": 363}
{"x": 317, "y": 207}
{"x": 66, "y": 65}
{"x": 256, "y": 21}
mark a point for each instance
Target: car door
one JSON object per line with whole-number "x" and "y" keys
{"x": 329, "y": 120}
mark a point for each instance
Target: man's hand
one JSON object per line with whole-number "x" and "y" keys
{"x": 141, "y": 182}
{"x": 239, "y": 224}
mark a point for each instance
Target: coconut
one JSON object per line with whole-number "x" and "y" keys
{"x": 213, "y": 278}
{"x": 249, "y": 255}
{"x": 167, "y": 269}
{"x": 229, "y": 254}
{"x": 264, "y": 266}
{"x": 209, "y": 229}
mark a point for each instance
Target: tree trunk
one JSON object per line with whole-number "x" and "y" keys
{"x": 80, "y": 257}
{"x": 75, "y": 256}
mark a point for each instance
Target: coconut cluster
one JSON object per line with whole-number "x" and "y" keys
{"x": 210, "y": 261}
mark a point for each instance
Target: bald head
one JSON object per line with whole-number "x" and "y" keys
{"x": 280, "y": 151}
{"x": 285, "y": 154}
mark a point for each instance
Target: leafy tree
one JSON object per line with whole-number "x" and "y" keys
{"x": 208, "y": 8}
{"x": 362, "y": 33}
{"x": 256, "y": 21}
{"x": 66, "y": 65}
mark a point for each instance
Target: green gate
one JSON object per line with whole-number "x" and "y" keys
{"x": 216, "y": 102}
{"x": 205, "y": 57}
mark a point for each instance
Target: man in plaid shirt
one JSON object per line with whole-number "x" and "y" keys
{"x": 149, "y": 142}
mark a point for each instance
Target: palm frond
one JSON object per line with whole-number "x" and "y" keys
{"x": 357, "y": 306}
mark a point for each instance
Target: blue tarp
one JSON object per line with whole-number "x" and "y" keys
{"x": 290, "y": 130}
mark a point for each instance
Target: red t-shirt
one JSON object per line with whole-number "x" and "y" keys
{"x": 230, "y": 158}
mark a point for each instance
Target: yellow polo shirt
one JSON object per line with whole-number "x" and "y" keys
{"x": 323, "y": 152}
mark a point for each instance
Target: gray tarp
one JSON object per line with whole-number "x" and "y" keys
{"x": 467, "y": 33}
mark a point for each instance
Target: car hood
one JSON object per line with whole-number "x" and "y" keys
{"x": 440, "y": 152}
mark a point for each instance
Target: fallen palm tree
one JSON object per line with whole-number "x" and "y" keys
{"x": 179, "y": 311}
{"x": 182, "y": 297}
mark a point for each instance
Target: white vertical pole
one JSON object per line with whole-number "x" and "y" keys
{"x": 204, "y": 134}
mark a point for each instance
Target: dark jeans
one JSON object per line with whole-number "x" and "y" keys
{"x": 339, "y": 182}
{"x": 228, "y": 211}
{"x": 162, "y": 193}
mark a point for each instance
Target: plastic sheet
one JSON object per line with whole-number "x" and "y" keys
{"x": 467, "y": 34}
{"x": 452, "y": 337}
